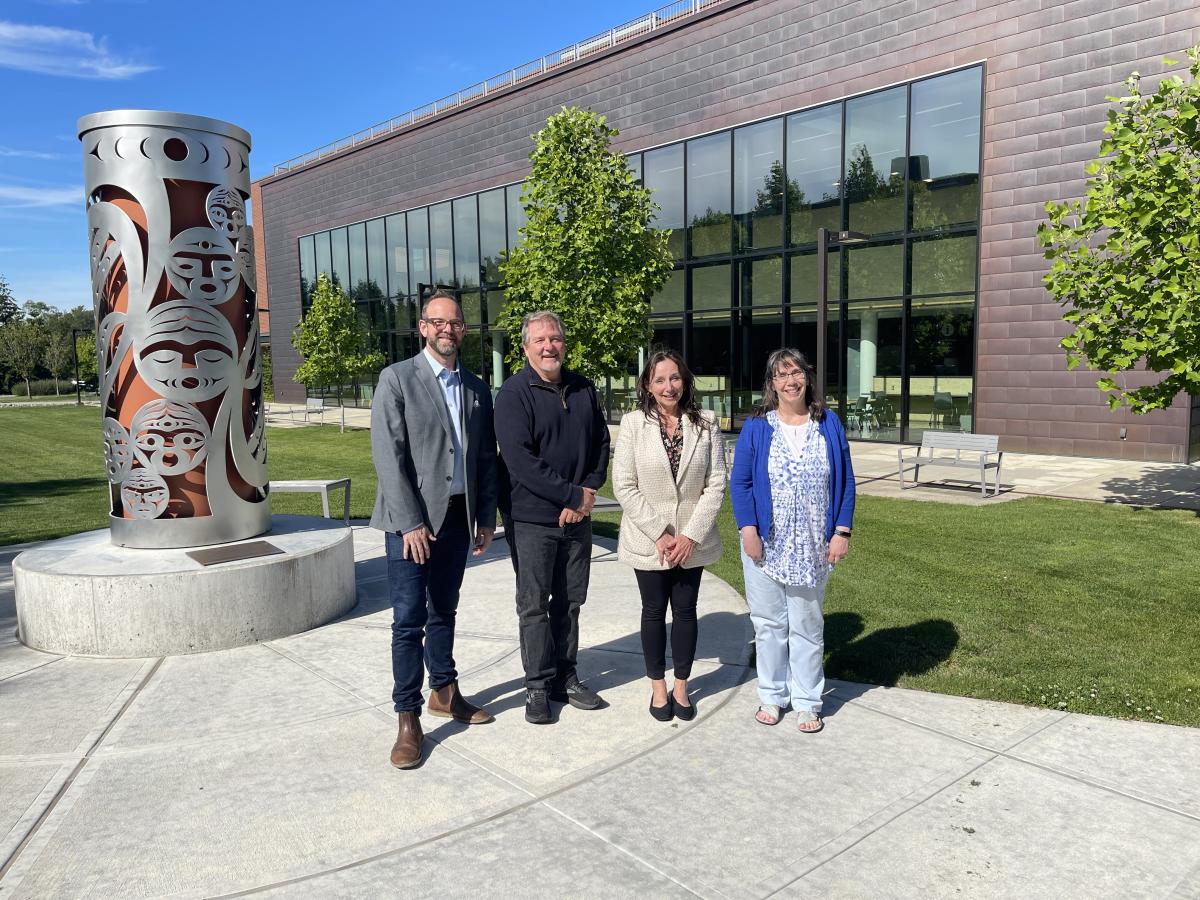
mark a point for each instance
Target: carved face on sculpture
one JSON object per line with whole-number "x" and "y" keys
{"x": 172, "y": 437}
{"x": 144, "y": 494}
{"x": 186, "y": 353}
{"x": 226, "y": 211}
{"x": 202, "y": 265}
{"x": 118, "y": 454}
{"x": 245, "y": 257}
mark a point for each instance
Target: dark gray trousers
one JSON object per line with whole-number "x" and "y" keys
{"x": 553, "y": 566}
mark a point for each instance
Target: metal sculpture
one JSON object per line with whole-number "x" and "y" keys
{"x": 173, "y": 283}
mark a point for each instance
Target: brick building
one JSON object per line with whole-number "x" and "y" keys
{"x": 936, "y": 128}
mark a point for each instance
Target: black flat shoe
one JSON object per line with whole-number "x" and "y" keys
{"x": 683, "y": 713}
{"x": 663, "y": 713}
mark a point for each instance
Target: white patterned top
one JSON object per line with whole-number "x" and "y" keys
{"x": 795, "y": 552}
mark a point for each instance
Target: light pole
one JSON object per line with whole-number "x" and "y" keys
{"x": 75, "y": 332}
{"x": 824, "y": 241}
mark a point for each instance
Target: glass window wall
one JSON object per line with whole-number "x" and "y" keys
{"x": 341, "y": 258}
{"x": 357, "y": 236}
{"x": 493, "y": 234}
{"x": 941, "y": 365}
{"x": 323, "y": 256}
{"x": 814, "y": 172}
{"x": 441, "y": 241}
{"x": 944, "y": 166}
{"x": 308, "y": 268}
{"x": 663, "y": 174}
{"x": 760, "y": 185}
{"x": 874, "y": 161}
{"x": 377, "y": 259}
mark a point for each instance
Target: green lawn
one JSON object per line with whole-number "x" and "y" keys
{"x": 1071, "y": 605}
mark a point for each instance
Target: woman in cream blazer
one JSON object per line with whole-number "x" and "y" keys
{"x": 669, "y": 477}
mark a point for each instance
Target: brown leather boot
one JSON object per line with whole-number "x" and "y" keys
{"x": 406, "y": 752}
{"x": 448, "y": 703}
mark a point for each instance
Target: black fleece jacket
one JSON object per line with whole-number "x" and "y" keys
{"x": 553, "y": 443}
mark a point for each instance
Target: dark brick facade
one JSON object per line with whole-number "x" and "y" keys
{"x": 1049, "y": 67}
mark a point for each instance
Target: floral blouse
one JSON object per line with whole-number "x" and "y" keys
{"x": 795, "y": 552}
{"x": 673, "y": 444}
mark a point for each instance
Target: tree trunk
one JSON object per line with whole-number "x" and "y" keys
{"x": 28, "y": 389}
{"x": 57, "y": 392}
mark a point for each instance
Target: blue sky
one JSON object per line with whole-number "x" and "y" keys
{"x": 295, "y": 75}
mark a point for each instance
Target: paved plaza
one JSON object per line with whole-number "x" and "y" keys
{"x": 264, "y": 770}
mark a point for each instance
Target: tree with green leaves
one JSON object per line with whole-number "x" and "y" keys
{"x": 21, "y": 346}
{"x": 58, "y": 354}
{"x": 589, "y": 250}
{"x": 1126, "y": 260}
{"x": 9, "y": 311}
{"x": 334, "y": 340}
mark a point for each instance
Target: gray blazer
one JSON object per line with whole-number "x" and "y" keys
{"x": 412, "y": 447}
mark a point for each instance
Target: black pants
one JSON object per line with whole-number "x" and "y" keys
{"x": 553, "y": 566}
{"x": 679, "y": 587}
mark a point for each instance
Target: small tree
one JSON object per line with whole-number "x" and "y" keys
{"x": 21, "y": 346}
{"x": 59, "y": 355}
{"x": 334, "y": 340}
{"x": 588, "y": 250}
{"x": 85, "y": 351}
{"x": 1126, "y": 261}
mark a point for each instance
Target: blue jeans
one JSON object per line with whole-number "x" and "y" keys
{"x": 789, "y": 639}
{"x": 424, "y": 604}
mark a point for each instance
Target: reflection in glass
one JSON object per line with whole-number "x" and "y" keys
{"x": 670, "y": 298}
{"x": 761, "y": 282}
{"x": 803, "y": 337}
{"x": 941, "y": 361}
{"x": 874, "y": 181}
{"x": 308, "y": 268}
{"x": 495, "y": 303}
{"x": 441, "y": 241}
{"x": 466, "y": 243}
{"x": 708, "y": 200}
{"x": 472, "y": 350}
{"x": 760, "y": 185}
{"x": 708, "y": 358}
{"x": 814, "y": 167}
{"x": 634, "y": 162}
{"x": 804, "y": 277}
{"x": 418, "y": 248}
{"x": 875, "y": 271}
{"x": 492, "y": 233}
{"x": 873, "y": 391}
{"x": 516, "y": 214}
{"x": 397, "y": 257}
{"x": 946, "y": 265}
{"x": 341, "y": 257}
{"x": 357, "y": 236}
{"x": 945, "y": 150}
{"x": 663, "y": 174}
{"x": 377, "y": 258}
{"x": 760, "y": 333}
{"x": 323, "y": 256}
{"x": 710, "y": 287}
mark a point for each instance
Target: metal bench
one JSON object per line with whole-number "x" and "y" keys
{"x": 317, "y": 487}
{"x": 983, "y": 446}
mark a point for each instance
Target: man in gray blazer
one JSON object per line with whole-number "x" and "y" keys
{"x": 434, "y": 447}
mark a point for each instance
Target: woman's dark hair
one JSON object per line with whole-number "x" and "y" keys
{"x": 770, "y": 397}
{"x": 687, "y": 400}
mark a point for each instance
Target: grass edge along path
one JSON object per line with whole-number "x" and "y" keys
{"x": 1061, "y": 604}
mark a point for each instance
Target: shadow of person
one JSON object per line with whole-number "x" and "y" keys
{"x": 840, "y": 629}
{"x": 883, "y": 656}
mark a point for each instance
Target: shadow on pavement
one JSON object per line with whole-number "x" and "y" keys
{"x": 1175, "y": 488}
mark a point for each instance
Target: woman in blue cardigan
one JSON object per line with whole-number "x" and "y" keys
{"x": 793, "y": 498}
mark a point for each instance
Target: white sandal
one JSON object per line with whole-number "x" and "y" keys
{"x": 807, "y": 717}
{"x": 771, "y": 711}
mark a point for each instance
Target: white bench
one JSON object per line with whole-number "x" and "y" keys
{"x": 981, "y": 446}
{"x": 317, "y": 487}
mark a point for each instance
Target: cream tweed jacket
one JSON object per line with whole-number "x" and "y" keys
{"x": 652, "y": 502}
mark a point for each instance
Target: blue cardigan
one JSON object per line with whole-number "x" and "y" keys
{"x": 750, "y": 486}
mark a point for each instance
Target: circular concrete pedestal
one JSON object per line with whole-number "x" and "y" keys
{"x": 82, "y": 595}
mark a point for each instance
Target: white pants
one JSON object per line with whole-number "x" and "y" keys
{"x": 789, "y": 639}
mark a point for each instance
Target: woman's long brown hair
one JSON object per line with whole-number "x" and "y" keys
{"x": 770, "y": 397}
{"x": 687, "y": 401}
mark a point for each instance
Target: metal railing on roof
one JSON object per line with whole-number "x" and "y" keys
{"x": 665, "y": 15}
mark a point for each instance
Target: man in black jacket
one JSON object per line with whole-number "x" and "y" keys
{"x": 554, "y": 446}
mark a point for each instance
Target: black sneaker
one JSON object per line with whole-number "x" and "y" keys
{"x": 577, "y": 694}
{"x": 537, "y": 708}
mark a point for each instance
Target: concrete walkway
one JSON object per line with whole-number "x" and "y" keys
{"x": 264, "y": 770}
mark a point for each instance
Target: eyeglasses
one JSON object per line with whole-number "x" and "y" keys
{"x": 785, "y": 377}
{"x": 439, "y": 324}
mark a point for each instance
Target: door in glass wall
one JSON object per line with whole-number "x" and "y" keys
{"x": 944, "y": 168}
{"x": 709, "y": 196}
{"x": 663, "y": 174}
{"x": 814, "y": 172}
{"x": 760, "y": 185}
{"x": 941, "y": 365}
{"x": 873, "y": 388}
{"x": 875, "y": 164}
